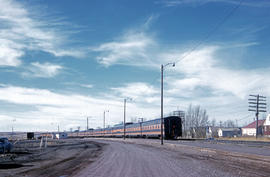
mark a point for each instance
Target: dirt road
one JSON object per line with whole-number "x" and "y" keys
{"x": 131, "y": 158}
{"x": 134, "y": 160}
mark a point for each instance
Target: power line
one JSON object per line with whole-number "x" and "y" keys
{"x": 207, "y": 35}
{"x": 217, "y": 26}
{"x": 245, "y": 117}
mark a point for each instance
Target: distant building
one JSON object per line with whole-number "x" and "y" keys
{"x": 211, "y": 132}
{"x": 46, "y": 135}
{"x": 229, "y": 132}
{"x": 60, "y": 135}
{"x": 250, "y": 129}
{"x": 199, "y": 132}
{"x": 266, "y": 126}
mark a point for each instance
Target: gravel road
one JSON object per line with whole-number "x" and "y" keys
{"x": 122, "y": 159}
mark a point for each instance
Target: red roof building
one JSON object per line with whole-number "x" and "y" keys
{"x": 266, "y": 128}
{"x": 253, "y": 124}
{"x": 250, "y": 129}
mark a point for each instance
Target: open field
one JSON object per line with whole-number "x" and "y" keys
{"x": 60, "y": 158}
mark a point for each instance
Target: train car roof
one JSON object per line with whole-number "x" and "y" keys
{"x": 130, "y": 125}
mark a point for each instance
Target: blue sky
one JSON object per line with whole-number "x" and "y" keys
{"x": 62, "y": 61}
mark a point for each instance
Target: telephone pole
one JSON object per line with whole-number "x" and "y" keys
{"x": 87, "y": 125}
{"x": 161, "y": 101}
{"x": 125, "y": 102}
{"x": 104, "y": 120}
{"x": 257, "y": 104}
{"x": 141, "y": 121}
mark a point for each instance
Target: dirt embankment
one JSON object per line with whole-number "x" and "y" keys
{"x": 60, "y": 158}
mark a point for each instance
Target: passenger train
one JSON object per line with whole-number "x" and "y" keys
{"x": 148, "y": 129}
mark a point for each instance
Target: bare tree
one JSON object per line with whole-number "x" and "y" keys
{"x": 229, "y": 124}
{"x": 220, "y": 124}
{"x": 213, "y": 122}
{"x": 197, "y": 120}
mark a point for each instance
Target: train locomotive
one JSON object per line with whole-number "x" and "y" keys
{"x": 148, "y": 129}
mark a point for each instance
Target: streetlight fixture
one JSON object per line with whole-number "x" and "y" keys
{"x": 125, "y": 101}
{"x": 104, "y": 120}
{"x": 161, "y": 117}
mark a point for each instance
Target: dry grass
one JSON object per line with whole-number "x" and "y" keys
{"x": 267, "y": 139}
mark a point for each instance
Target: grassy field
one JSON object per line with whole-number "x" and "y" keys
{"x": 247, "y": 139}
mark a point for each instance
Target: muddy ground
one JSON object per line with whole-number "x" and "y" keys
{"x": 60, "y": 158}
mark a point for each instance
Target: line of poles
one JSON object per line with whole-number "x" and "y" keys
{"x": 130, "y": 99}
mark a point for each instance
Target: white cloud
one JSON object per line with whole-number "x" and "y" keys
{"x": 43, "y": 70}
{"x": 137, "y": 90}
{"x": 9, "y": 55}
{"x": 131, "y": 48}
{"x": 86, "y": 85}
{"x": 19, "y": 32}
{"x": 250, "y": 3}
{"x": 46, "y": 109}
{"x": 202, "y": 68}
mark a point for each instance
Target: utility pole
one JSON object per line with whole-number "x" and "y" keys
{"x": 87, "y": 124}
{"x": 161, "y": 112}
{"x": 125, "y": 102}
{"x": 104, "y": 120}
{"x": 78, "y": 130}
{"x": 58, "y": 128}
{"x": 257, "y": 104}
{"x": 161, "y": 100}
{"x": 141, "y": 121}
{"x": 125, "y": 118}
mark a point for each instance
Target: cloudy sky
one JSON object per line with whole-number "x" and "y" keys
{"x": 64, "y": 60}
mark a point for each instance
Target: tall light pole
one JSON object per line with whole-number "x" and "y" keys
{"x": 13, "y": 128}
{"x": 104, "y": 120}
{"x": 125, "y": 102}
{"x": 141, "y": 121}
{"x": 161, "y": 117}
{"x": 87, "y": 124}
